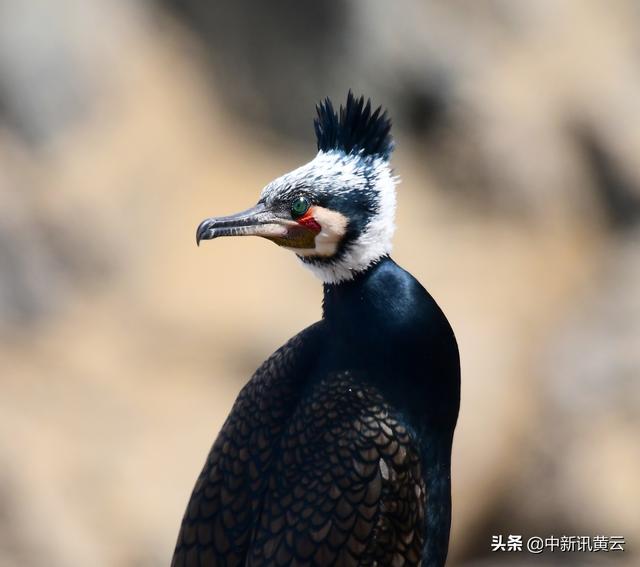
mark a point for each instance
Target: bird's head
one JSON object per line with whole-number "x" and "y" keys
{"x": 337, "y": 211}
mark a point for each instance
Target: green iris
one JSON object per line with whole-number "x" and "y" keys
{"x": 300, "y": 206}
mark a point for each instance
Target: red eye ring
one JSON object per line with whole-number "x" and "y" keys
{"x": 308, "y": 221}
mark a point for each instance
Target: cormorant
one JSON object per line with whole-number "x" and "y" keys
{"x": 338, "y": 450}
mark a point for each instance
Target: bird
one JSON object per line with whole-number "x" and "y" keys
{"x": 337, "y": 451}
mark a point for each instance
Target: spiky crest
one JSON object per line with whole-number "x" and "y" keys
{"x": 355, "y": 130}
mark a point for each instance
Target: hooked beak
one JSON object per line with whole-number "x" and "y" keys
{"x": 260, "y": 220}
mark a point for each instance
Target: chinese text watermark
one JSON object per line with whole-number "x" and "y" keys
{"x": 565, "y": 543}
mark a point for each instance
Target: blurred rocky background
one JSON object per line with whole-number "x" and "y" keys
{"x": 122, "y": 345}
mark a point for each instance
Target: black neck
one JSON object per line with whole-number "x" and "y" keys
{"x": 387, "y": 322}
{"x": 341, "y": 298}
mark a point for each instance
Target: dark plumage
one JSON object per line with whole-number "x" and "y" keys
{"x": 338, "y": 450}
{"x": 354, "y": 130}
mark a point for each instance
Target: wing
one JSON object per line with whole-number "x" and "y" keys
{"x": 346, "y": 488}
{"x": 226, "y": 499}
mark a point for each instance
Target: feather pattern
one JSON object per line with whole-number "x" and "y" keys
{"x": 328, "y": 474}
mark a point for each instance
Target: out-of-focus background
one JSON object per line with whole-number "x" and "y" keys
{"x": 122, "y": 345}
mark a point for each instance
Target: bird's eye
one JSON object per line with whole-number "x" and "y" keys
{"x": 299, "y": 207}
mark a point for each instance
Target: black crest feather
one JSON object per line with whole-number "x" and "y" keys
{"x": 355, "y": 129}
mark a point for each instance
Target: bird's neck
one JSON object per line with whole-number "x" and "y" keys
{"x": 385, "y": 322}
{"x": 343, "y": 298}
